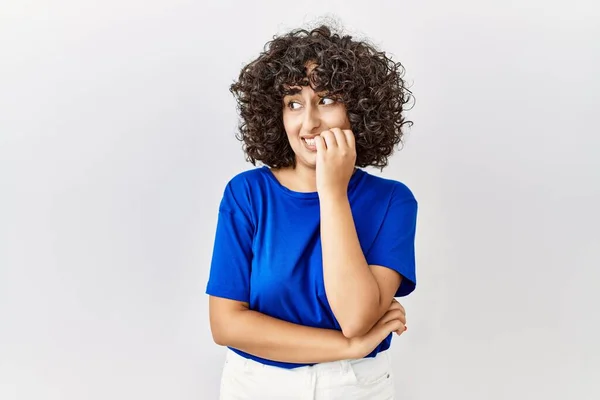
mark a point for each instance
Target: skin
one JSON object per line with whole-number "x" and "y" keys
{"x": 328, "y": 167}
{"x": 233, "y": 324}
{"x": 371, "y": 313}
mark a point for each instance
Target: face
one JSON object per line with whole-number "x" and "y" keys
{"x": 307, "y": 114}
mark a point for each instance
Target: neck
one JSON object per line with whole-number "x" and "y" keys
{"x": 299, "y": 179}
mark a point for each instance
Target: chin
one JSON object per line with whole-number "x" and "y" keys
{"x": 308, "y": 162}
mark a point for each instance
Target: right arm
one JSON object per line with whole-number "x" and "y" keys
{"x": 233, "y": 324}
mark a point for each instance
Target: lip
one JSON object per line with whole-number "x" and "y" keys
{"x": 312, "y": 148}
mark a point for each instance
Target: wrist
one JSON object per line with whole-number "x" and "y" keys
{"x": 355, "y": 348}
{"x": 333, "y": 195}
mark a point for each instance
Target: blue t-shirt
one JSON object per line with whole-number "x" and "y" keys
{"x": 267, "y": 249}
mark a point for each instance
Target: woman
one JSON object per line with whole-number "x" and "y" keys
{"x": 310, "y": 250}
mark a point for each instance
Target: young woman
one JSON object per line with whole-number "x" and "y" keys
{"x": 310, "y": 249}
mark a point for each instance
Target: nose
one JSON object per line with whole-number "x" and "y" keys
{"x": 312, "y": 120}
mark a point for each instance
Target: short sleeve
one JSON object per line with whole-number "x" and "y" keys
{"x": 229, "y": 275}
{"x": 394, "y": 245}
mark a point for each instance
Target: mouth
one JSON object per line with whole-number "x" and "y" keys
{"x": 309, "y": 143}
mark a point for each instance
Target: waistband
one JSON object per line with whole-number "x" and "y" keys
{"x": 341, "y": 366}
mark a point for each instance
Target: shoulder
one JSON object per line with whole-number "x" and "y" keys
{"x": 242, "y": 190}
{"x": 243, "y": 182}
{"x": 394, "y": 190}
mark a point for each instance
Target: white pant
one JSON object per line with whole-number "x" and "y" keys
{"x": 368, "y": 379}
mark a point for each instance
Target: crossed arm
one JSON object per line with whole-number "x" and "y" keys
{"x": 366, "y": 318}
{"x": 360, "y": 295}
{"x": 345, "y": 270}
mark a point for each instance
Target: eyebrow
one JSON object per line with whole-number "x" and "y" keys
{"x": 320, "y": 94}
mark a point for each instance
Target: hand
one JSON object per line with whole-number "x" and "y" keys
{"x": 397, "y": 306}
{"x": 394, "y": 320}
{"x": 336, "y": 157}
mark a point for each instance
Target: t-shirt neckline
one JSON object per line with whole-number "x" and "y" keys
{"x": 307, "y": 195}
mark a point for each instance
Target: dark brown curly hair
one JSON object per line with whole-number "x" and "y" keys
{"x": 365, "y": 79}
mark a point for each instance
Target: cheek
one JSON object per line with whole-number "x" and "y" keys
{"x": 346, "y": 123}
{"x": 339, "y": 118}
{"x": 340, "y": 121}
{"x": 292, "y": 129}
{"x": 291, "y": 122}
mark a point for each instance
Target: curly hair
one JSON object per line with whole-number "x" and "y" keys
{"x": 365, "y": 79}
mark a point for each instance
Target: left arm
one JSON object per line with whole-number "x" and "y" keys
{"x": 346, "y": 271}
{"x": 358, "y": 293}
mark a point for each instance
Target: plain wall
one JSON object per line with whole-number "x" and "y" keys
{"x": 117, "y": 137}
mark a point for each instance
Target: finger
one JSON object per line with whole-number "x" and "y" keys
{"x": 350, "y": 139}
{"x": 396, "y": 306}
{"x": 401, "y": 331}
{"x": 340, "y": 137}
{"x": 403, "y": 319}
{"x": 396, "y": 303}
{"x": 329, "y": 139}
{"x": 390, "y": 314}
{"x": 382, "y": 331}
{"x": 394, "y": 314}
{"x": 402, "y": 308}
{"x": 398, "y": 314}
{"x": 320, "y": 144}
{"x": 394, "y": 326}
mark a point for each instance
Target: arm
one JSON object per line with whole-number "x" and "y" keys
{"x": 359, "y": 293}
{"x": 234, "y": 325}
{"x": 345, "y": 270}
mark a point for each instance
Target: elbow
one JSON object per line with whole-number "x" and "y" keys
{"x": 218, "y": 335}
{"x": 223, "y": 316}
{"x": 358, "y": 322}
{"x": 356, "y": 328}
{"x": 221, "y": 331}
{"x": 350, "y": 334}
{"x": 224, "y": 332}
{"x": 219, "y": 338}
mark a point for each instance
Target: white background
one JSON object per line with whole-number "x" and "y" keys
{"x": 117, "y": 138}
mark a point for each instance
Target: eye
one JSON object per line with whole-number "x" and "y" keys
{"x": 293, "y": 105}
{"x": 327, "y": 100}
